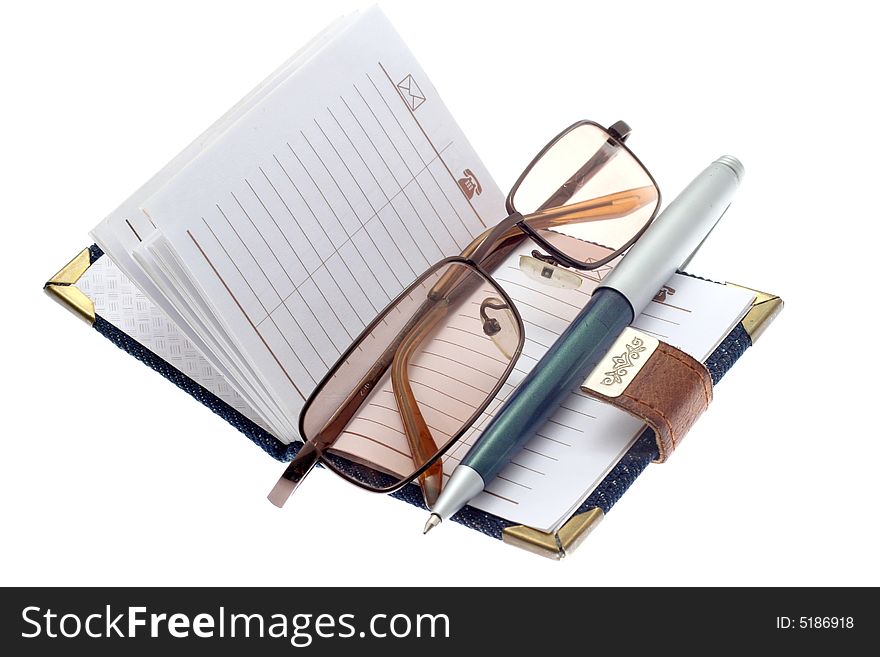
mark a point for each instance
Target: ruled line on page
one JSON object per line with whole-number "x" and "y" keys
{"x": 415, "y": 264}
{"x": 133, "y": 230}
{"x": 424, "y": 132}
{"x": 243, "y": 312}
{"x": 451, "y": 388}
{"x": 425, "y": 404}
{"x": 389, "y": 295}
{"x": 346, "y": 242}
{"x": 440, "y": 187}
{"x": 304, "y": 243}
{"x": 444, "y": 198}
{"x": 326, "y": 361}
{"x": 401, "y": 192}
{"x": 375, "y": 212}
{"x": 283, "y": 334}
{"x": 375, "y": 215}
{"x": 397, "y": 147}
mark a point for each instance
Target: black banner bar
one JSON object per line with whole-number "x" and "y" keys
{"x": 327, "y": 620}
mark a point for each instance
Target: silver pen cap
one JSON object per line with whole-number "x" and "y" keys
{"x": 676, "y": 234}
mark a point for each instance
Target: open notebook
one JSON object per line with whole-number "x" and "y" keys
{"x": 279, "y": 234}
{"x": 270, "y": 242}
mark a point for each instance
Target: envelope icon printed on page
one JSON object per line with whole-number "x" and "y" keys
{"x": 411, "y": 92}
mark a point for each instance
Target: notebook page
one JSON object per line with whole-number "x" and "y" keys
{"x": 451, "y": 373}
{"x": 584, "y": 439}
{"x": 120, "y": 231}
{"x": 124, "y": 229}
{"x": 167, "y": 270}
{"x": 320, "y": 205}
{"x": 119, "y": 302}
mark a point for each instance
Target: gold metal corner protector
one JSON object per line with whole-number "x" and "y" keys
{"x": 62, "y": 288}
{"x": 764, "y": 310}
{"x": 558, "y": 545}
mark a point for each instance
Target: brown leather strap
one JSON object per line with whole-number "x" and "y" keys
{"x": 657, "y": 383}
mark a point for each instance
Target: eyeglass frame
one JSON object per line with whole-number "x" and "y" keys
{"x": 489, "y": 247}
{"x": 619, "y": 132}
{"x": 466, "y": 426}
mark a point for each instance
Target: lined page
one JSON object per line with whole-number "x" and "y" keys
{"x": 451, "y": 373}
{"x": 318, "y": 207}
{"x": 568, "y": 457}
{"x": 120, "y": 233}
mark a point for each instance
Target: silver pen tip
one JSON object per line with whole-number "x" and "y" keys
{"x": 433, "y": 521}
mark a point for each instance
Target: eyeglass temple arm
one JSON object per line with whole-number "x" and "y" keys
{"x": 296, "y": 471}
{"x": 421, "y": 440}
{"x": 582, "y": 176}
{"x": 311, "y": 450}
{"x": 602, "y": 208}
{"x": 495, "y": 243}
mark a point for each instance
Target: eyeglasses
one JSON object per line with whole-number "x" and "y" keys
{"x": 421, "y": 374}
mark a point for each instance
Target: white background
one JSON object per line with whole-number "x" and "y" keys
{"x": 776, "y": 485}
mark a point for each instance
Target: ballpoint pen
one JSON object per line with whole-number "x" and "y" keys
{"x": 666, "y": 246}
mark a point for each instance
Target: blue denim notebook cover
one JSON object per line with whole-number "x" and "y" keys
{"x": 609, "y": 491}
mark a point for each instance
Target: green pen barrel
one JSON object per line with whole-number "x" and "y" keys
{"x": 562, "y": 369}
